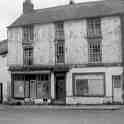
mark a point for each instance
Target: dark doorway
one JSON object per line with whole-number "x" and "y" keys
{"x": 1, "y": 92}
{"x": 60, "y": 89}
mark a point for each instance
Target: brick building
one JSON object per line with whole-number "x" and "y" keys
{"x": 71, "y": 54}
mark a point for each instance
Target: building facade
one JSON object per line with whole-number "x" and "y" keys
{"x": 70, "y": 54}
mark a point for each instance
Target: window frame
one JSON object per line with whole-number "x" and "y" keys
{"x": 94, "y": 56}
{"x": 97, "y": 73}
{"x": 28, "y": 56}
{"x": 94, "y": 27}
{"x": 28, "y": 33}
{"x": 118, "y": 86}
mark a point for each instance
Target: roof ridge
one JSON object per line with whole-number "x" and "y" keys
{"x": 68, "y": 5}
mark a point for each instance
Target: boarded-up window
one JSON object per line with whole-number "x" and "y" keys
{"x": 89, "y": 85}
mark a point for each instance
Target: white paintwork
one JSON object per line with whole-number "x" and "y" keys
{"x": 109, "y": 71}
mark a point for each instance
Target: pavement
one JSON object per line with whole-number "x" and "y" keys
{"x": 63, "y": 107}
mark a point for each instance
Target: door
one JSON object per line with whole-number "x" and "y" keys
{"x": 33, "y": 88}
{"x": 60, "y": 87}
{"x": 117, "y": 88}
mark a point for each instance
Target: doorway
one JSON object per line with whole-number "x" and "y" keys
{"x": 60, "y": 87}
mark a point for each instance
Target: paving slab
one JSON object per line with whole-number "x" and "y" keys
{"x": 63, "y": 107}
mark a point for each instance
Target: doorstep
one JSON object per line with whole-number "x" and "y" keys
{"x": 65, "y": 107}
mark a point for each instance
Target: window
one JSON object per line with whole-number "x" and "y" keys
{"x": 28, "y": 55}
{"x": 28, "y": 34}
{"x": 94, "y": 27}
{"x": 43, "y": 86}
{"x": 60, "y": 52}
{"x": 18, "y": 86}
{"x": 116, "y": 81}
{"x": 59, "y": 44}
{"x": 88, "y": 85}
{"x": 94, "y": 51}
{"x": 59, "y": 27}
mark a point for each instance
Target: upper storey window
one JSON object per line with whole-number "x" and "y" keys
{"x": 28, "y": 33}
{"x": 93, "y": 27}
{"x": 59, "y": 28}
{"x": 59, "y": 42}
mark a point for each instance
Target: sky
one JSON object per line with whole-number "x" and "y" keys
{"x": 11, "y": 9}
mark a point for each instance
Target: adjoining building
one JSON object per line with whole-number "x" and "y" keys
{"x": 4, "y": 74}
{"x": 71, "y": 54}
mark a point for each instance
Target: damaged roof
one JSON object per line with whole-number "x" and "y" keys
{"x": 70, "y": 12}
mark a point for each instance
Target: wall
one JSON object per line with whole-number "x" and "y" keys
{"x": 15, "y": 51}
{"x": 109, "y": 71}
{"x": 76, "y": 45}
{"x": 44, "y": 51}
{"x": 4, "y": 76}
{"x": 111, "y": 31}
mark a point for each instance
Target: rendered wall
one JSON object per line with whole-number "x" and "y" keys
{"x": 109, "y": 71}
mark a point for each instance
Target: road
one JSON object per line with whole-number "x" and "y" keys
{"x": 44, "y": 116}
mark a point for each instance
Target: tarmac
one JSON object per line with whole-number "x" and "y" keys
{"x": 62, "y": 107}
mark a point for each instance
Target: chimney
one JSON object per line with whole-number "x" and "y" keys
{"x": 28, "y": 6}
{"x": 71, "y": 2}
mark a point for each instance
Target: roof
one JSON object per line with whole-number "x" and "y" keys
{"x": 69, "y": 12}
{"x": 3, "y": 47}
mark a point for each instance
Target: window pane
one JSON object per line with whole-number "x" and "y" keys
{"x": 89, "y": 85}
{"x": 33, "y": 89}
{"x": 116, "y": 81}
{"x": 82, "y": 87}
{"x": 19, "y": 89}
{"x": 26, "y": 88}
{"x": 95, "y": 87}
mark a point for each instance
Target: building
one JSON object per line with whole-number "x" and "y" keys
{"x": 71, "y": 54}
{"x": 4, "y": 74}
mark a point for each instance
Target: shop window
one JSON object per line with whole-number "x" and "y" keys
{"x": 116, "y": 81}
{"x": 18, "y": 86}
{"x": 89, "y": 85}
{"x": 43, "y": 86}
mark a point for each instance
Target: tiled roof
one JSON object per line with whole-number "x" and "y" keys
{"x": 3, "y": 47}
{"x": 69, "y": 12}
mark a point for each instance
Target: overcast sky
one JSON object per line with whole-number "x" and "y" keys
{"x": 11, "y": 9}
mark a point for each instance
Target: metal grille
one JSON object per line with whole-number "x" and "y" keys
{"x": 60, "y": 52}
{"x": 94, "y": 51}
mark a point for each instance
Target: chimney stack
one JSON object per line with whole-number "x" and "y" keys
{"x": 28, "y": 6}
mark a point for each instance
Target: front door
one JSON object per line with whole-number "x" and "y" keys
{"x": 60, "y": 87}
